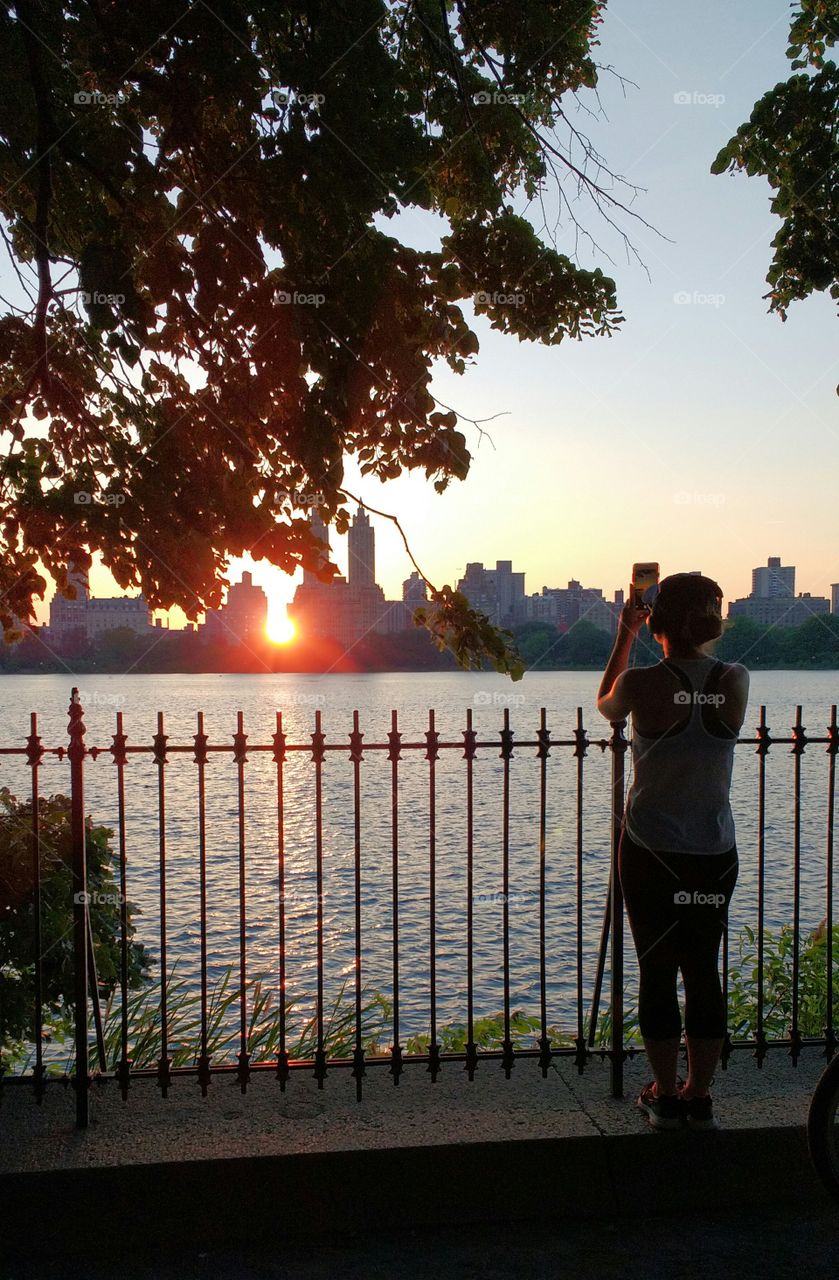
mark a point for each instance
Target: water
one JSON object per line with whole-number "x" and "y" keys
{"x": 412, "y": 694}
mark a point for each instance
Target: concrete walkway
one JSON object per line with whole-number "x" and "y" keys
{"x": 193, "y": 1186}
{"x": 150, "y": 1129}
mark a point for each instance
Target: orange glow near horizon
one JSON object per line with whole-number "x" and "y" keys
{"x": 280, "y": 630}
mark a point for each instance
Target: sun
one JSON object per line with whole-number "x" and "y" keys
{"x": 281, "y": 630}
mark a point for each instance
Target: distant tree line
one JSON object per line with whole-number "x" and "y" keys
{"x": 124, "y": 652}
{"x": 813, "y": 645}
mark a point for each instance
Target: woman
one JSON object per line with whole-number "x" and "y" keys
{"x": 677, "y": 856}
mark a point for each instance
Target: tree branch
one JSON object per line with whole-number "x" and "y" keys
{"x": 40, "y": 227}
{"x": 387, "y": 515}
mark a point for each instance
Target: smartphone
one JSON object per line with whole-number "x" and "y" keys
{"x": 644, "y": 576}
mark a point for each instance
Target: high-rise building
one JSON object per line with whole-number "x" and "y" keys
{"x": 320, "y": 531}
{"x": 478, "y": 585}
{"x": 834, "y": 597}
{"x": 509, "y": 591}
{"x": 773, "y": 579}
{"x": 773, "y": 601}
{"x": 243, "y": 616}
{"x": 498, "y": 592}
{"x": 563, "y": 607}
{"x": 415, "y": 590}
{"x": 347, "y": 610}
{"x": 361, "y": 542}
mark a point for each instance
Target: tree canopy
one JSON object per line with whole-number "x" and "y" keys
{"x": 215, "y": 303}
{"x": 792, "y": 139}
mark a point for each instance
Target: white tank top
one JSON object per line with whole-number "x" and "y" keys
{"x": 678, "y": 801}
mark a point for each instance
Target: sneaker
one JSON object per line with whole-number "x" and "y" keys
{"x": 662, "y": 1112}
{"x": 699, "y": 1113}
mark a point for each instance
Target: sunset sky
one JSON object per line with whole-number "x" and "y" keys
{"x": 705, "y": 434}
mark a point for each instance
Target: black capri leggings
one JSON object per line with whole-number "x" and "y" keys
{"x": 677, "y": 905}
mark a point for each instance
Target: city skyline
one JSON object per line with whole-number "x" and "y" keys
{"x": 353, "y": 605}
{"x": 280, "y": 588}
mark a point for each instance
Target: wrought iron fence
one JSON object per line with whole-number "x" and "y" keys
{"x": 582, "y": 1040}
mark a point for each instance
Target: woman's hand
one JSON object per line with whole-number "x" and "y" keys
{"x": 633, "y": 616}
{"x": 614, "y": 696}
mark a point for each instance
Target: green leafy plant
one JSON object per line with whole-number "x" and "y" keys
{"x": 743, "y": 981}
{"x": 17, "y": 919}
{"x": 525, "y": 1031}
{"x": 631, "y": 1031}
{"x": 184, "y": 1023}
{"x": 744, "y": 976}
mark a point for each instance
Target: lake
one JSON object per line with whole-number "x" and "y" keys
{"x": 450, "y": 694}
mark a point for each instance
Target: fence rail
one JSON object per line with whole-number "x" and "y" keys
{"x": 88, "y": 1026}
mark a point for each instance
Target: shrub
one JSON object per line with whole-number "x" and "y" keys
{"x": 17, "y": 919}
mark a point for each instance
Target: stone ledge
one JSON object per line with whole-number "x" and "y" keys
{"x": 249, "y": 1199}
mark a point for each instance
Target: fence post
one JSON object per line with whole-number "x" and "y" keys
{"x": 76, "y": 753}
{"x": 618, "y": 746}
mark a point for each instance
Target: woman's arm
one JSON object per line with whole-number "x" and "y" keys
{"x": 734, "y": 691}
{"x": 613, "y": 696}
